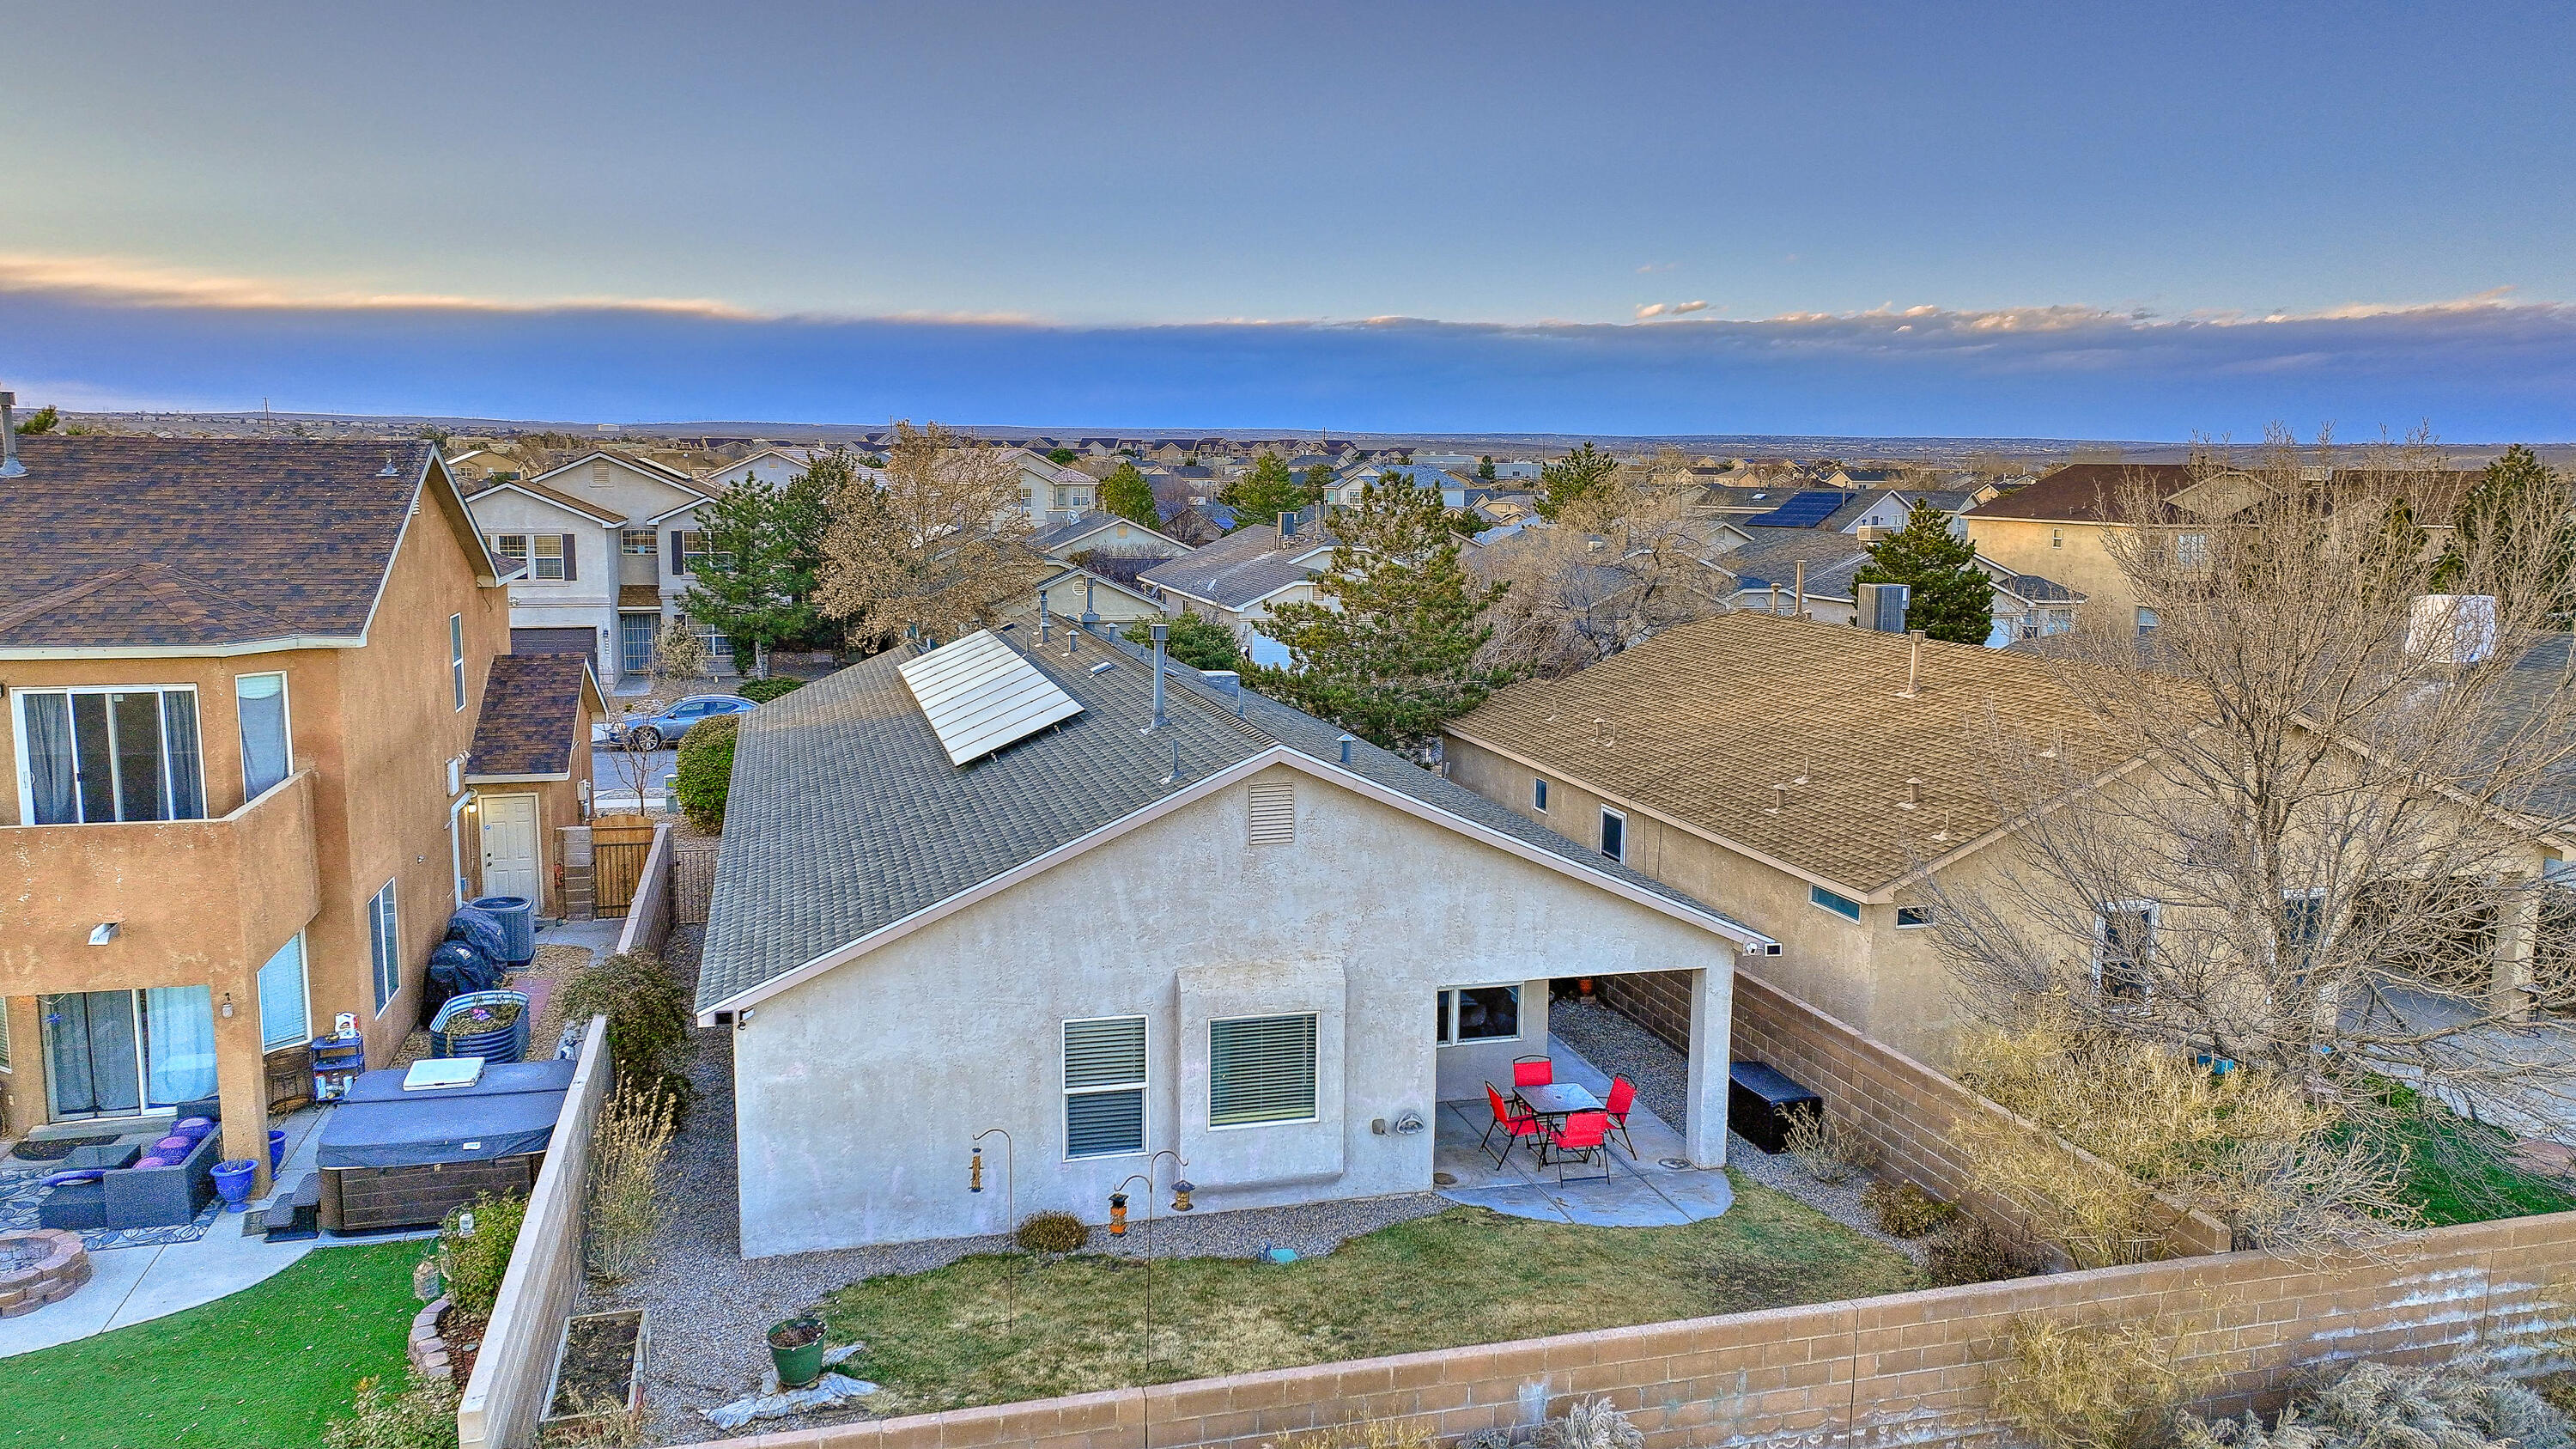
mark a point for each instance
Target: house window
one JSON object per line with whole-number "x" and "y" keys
{"x": 543, "y": 553}
{"x": 1104, "y": 1087}
{"x": 2124, "y": 938}
{"x": 1910, "y": 918}
{"x": 1478, "y": 1013}
{"x": 2146, "y": 621}
{"x": 1070, "y": 497}
{"x": 688, "y": 546}
{"x": 2303, "y": 918}
{"x": 283, "y": 1020}
{"x": 259, "y": 703}
{"x": 2191, "y": 550}
{"x": 384, "y": 946}
{"x": 97, "y": 755}
{"x": 456, "y": 656}
{"x": 1538, "y": 796}
{"x": 641, "y": 542}
{"x": 1261, "y": 1069}
{"x": 1614, "y": 835}
{"x": 2057, "y": 538}
{"x": 1843, "y": 906}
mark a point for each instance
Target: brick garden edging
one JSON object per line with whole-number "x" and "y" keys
{"x": 1910, "y": 1368}
{"x": 61, "y": 1269}
{"x": 426, "y": 1350}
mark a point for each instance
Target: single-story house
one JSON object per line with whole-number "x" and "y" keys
{"x": 1241, "y": 577}
{"x": 1131, "y": 921}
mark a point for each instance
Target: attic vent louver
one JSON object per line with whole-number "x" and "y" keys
{"x": 1271, "y": 812}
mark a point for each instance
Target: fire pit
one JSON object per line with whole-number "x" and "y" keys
{"x": 39, "y": 1267}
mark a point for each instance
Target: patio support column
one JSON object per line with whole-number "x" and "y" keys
{"x": 241, "y": 1081}
{"x": 1712, "y": 1016}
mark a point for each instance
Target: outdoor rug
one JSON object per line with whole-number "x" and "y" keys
{"x": 54, "y": 1149}
{"x": 20, "y": 1192}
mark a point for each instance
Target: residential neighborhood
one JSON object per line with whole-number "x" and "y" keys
{"x": 1049, "y": 743}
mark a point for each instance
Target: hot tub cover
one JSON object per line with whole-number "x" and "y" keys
{"x": 511, "y": 1112}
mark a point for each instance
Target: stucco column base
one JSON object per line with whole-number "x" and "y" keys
{"x": 1712, "y": 1007}
{"x": 241, "y": 1084}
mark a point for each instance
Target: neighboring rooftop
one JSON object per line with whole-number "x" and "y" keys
{"x": 847, "y": 816}
{"x": 197, "y": 543}
{"x": 2091, "y": 492}
{"x": 531, "y": 716}
{"x": 1699, "y": 723}
{"x": 1245, "y": 565}
{"x": 1773, "y": 556}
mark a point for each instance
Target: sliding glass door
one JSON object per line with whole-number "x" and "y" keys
{"x": 90, "y": 755}
{"x": 114, "y": 1053}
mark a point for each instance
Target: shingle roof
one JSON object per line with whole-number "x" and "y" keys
{"x": 845, "y": 816}
{"x": 1775, "y": 553}
{"x": 2039, "y": 590}
{"x": 1700, "y": 722}
{"x": 199, "y": 542}
{"x": 1947, "y": 502}
{"x": 1071, "y": 530}
{"x": 1245, "y": 565}
{"x": 531, "y": 715}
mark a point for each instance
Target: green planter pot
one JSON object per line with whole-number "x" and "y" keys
{"x": 798, "y": 1364}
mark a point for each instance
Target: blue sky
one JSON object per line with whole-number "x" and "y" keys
{"x": 2061, "y": 220}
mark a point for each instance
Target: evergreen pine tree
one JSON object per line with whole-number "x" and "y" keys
{"x": 1127, "y": 494}
{"x": 1949, "y": 597}
{"x": 1390, "y": 652}
{"x": 2503, "y": 492}
{"x": 1269, "y": 490}
{"x": 1581, "y": 473}
{"x": 755, "y": 583}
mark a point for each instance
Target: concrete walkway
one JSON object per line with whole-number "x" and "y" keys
{"x": 1654, "y": 1186}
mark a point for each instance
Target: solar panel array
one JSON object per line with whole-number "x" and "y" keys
{"x": 980, "y": 695}
{"x": 1804, "y": 511}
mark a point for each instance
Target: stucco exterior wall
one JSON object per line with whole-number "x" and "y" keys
{"x": 1884, "y": 980}
{"x": 858, "y": 1090}
{"x": 2077, "y": 559}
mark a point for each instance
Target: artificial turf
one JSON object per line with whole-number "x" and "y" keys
{"x": 265, "y": 1368}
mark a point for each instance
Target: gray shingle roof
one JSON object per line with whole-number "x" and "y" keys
{"x": 845, "y": 816}
{"x": 1775, "y": 553}
{"x": 1245, "y": 565}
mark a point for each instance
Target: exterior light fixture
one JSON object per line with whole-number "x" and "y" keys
{"x": 104, "y": 932}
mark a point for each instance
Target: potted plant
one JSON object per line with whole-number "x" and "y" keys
{"x": 796, "y": 1347}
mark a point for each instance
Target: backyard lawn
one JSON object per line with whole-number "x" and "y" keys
{"x": 937, "y": 1340}
{"x": 262, "y": 1369}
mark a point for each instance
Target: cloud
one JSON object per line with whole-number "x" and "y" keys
{"x": 2480, "y": 368}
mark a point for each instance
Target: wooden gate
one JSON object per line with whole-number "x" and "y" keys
{"x": 693, "y": 883}
{"x": 618, "y": 845}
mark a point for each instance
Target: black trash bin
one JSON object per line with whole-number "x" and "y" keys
{"x": 518, "y": 918}
{"x": 1761, "y": 1103}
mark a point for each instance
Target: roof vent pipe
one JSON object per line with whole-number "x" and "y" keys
{"x": 1090, "y": 615}
{"x": 10, "y": 467}
{"x": 1345, "y": 743}
{"x": 1798, "y": 605}
{"x": 1229, "y": 681}
{"x": 1914, "y": 666}
{"x": 1042, "y": 616}
{"x": 1161, "y": 633}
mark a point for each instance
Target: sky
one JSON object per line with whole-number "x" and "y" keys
{"x": 2061, "y": 220}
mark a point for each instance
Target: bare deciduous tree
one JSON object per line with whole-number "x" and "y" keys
{"x": 2311, "y": 825}
{"x": 935, "y": 546}
{"x": 1618, "y": 566}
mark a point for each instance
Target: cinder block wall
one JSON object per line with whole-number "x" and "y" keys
{"x": 1912, "y": 1368}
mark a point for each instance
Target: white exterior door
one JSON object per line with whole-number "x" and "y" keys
{"x": 510, "y": 845}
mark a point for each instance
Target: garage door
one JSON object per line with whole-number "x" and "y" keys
{"x": 554, "y": 641}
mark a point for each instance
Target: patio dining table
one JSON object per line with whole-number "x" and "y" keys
{"x": 1558, "y": 1100}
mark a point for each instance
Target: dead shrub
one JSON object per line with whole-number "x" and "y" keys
{"x": 1973, "y": 1250}
{"x": 1053, "y": 1233}
{"x": 2097, "y": 1386}
{"x": 1832, "y": 1150}
{"x": 2463, "y": 1404}
{"x": 1903, "y": 1210}
{"x": 1375, "y": 1434}
{"x": 627, "y": 1150}
{"x": 421, "y": 1415}
{"x": 1590, "y": 1424}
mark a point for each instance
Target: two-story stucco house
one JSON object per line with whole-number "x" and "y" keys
{"x": 250, "y": 687}
{"x": 935, "y": 926}
{"x": 606, "y": 542}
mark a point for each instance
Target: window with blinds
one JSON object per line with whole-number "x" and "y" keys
{"x": 1273, "y": 806}
{"x": 1261, "y": 1069}
{"x": 1104, "y": 1086}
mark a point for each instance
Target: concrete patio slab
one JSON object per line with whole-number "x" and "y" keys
{"x": 1642, "y": 1191}
{"x": 1622, "y": 1202}
{"x": 1512, "y": 1200}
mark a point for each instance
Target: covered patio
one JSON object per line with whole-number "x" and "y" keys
{"x": 1652, "y": 1186}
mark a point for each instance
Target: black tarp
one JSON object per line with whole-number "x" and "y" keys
{"x": 510, "y": 1112}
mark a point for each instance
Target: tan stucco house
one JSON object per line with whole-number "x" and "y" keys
{"x": 247, "y": 684}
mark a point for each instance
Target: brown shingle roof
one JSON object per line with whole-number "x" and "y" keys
{"x": 1699, "y": 723}
{"x": 2091, "y": 492}
{"x": 195, "y": 542}
{"x": 639, "y": 596}
{"x": 531, "y": 715}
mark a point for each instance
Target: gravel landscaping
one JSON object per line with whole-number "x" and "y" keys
{"x": 1621, "y": 1047}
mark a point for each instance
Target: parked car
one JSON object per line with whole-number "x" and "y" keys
{"x": 652, "y": 732}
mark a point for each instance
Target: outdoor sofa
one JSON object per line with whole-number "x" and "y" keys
{"x": 137, "y": 1197}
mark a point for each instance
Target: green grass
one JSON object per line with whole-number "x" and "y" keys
{"x": 937, "y": 1340}
{"x": 2492, "y": 1189}
{"x": 263, "y": 1369}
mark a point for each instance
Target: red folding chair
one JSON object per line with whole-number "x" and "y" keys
{"x": 1532, "y": 1072}
{"x": 1623, "y": 1095}
{"x": 1584, "y": 1135}
{"x": 1513, "y": 1125}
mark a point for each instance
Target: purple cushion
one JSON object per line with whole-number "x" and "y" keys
{"x": 175, "y": 1146}
{"x": 143, "y": 1162}
{"x": 192, "y": 1128}
{"x": 61, "y": 1179}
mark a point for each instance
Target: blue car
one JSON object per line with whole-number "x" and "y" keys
{"x": 653, "y": 732}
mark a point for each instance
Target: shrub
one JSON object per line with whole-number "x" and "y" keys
{"x": 475, "y": 1262}
{"x": 1831, "y": 1149}
{"x": 1590, "y": 1424}
{"x": 1903, "y": 1210}
{"x": 1196, "y": 642}
{"x": 648, "y": 1021}
{"x": 1381, "y": 1434}
{"x": 1972, "y": 1250}
{"x": 762, "y": 691}
{"x": 706, "y": 770}
{"x": 2463, "y": 1404}
{"x": 421, "y": 1416}
{"x": 628, "y": 1148}
{"x": 1053, "y": 1233}
{"x": 2096, "y": 1386}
